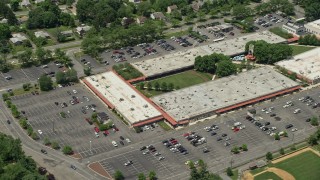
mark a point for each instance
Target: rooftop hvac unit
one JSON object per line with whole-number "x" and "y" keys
{"x": 145, "y": 106}
{"x": 132, "y": 109}
{"x": 133, "y": 96}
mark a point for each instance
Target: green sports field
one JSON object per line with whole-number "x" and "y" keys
{"x": 305, "y": 166}
{"x": 267, "y": 175}
{"x": 300, "y": 49}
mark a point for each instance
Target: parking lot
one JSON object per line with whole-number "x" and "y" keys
{"x": 18, "y": 76}
{"x": 43, "y": 113}
{"x": 219, "y": 155}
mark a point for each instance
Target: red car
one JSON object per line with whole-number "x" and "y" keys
{"x": 186, "y": 134}
{"x": 236, "y": 129}
{"x": 106, "y": 132}
{"x": 116, "y": 129}
{"x": 96, "y": 129}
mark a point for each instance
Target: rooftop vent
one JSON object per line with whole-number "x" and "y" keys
{"x": 132, "y": 109}
{"x": 133, "y": 96}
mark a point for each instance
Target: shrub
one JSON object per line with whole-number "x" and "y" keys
{"x": 46, "y": 141}
{"x": 23, "y": 123}
{"x": 34, "y": 136}
{"x": 269, "y": 156}
{"x": 67, "y": 150}
{"x": 229, "y": 171}
{"x": 282, "y": 151}
{"x": 55, "y": 145}
{"x": 244, "y": 147}
{"x": 63, "y": 114}
{"x": 138, "y": 129}
{"x": 29, "y": 130}
{"x": 5, "y": 96}
{"x": 8, "y": 103}
{"x": 106, "y": 126}
{"x": 235, "y": 150}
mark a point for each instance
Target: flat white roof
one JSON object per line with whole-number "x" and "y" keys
{"x": 125, "y": 99}
{"x": 306, "y": 64}
{"x": 183, "y": 59}
{"x": 213, "y": 95}
{"x": 314, "y": 24}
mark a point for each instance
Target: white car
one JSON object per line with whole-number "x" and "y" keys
{"x": 114, "y": 144}
{"x": 39, "y": 131}
{"x": 294, "y": 129}
{"x": 97, "y": 134}
{"x": 161, "y": 158}
{"x": 74, "y": 91}
{"x": 297, "y": 111}
{"x": 146, "y": 152}
{"x": 302, "y": 98}
{"x": 128, "y": 163}
{"x": 157, "y": 154}
{"x": 128, "y": 140}
{"x": 272, "y": 134}
{"x": 285, "y": 106}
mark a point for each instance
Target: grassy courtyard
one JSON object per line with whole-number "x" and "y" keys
{"x": 303, "y": 166}
{"x": 300, "y": 49}
{"x": 267, "y": 175}
{"x": 180, "y": 80}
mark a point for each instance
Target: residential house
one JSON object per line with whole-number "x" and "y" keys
{"x": 25, "y": 3}
{"x": 135, "y": 1}
{"x": 171, "y": 8}
{"x": 67, "y": 33}
{"x": 157, "y": 16}
{"x": 81, "y": 30}
{"x": 42, "y": 34}
{"x": 38, "y": 1}
{"x": 141, "y": 20}
{"x": 17, "y": 39}
{"x": 127, "y": 21}
{"x": 4, "y": 21}
{"x": 225, "y": 27}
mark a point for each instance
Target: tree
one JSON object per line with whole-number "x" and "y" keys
{"x": 235, "y": 150}
{"x": 87, "y": 71}
{"x": 285, "y": 134}
{"x": 67, "y": 150}
{"x": 14, "y": 4}
{"x": 152, "y": 175}
{"x": 170, "y": 86}
{"x": 244, "y": 147}
{"x": 71, "y": 75}
{"x": 118, "y": 175}
{"x": 60, "y": 77}
{"x": 314, "y": 121}
{"x": 29, "y": 130}
{"x": 207, "y": 63}
{"x": 41, "y": 55}
{"x": 282, "y": 151}
{"x": 226, "y": 68}
{"x": 55, "y": 145}
{"x": 229, "y": 171}
{"x": 269, "y": 156}
{"x": 25, "y": 58}
{"x": 312, "y": 11}
{"x": 276, "y": 137}
{"x": 241, "y": 11}
{"x": 34, "y": 136}
{"x": 157, "y": 86}
{"x": 164, "y": 86}
{"x": 5, "y": 32}
{"x": 141, "y": 85}
{"x": 17, "y": 165}
{"x": 141, "y": 176}
{"x": 201, "y": 172}
{"x": 7, "y": 13}
{"x": 45, "y": 83}
{"x": 46, "y": 141}
{"x": 23, "y": 123}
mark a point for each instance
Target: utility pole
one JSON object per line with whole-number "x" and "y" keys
{"x": 52, "y": 125}
{"x": 90, "y": 148}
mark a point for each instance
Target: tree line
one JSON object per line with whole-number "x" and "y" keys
{"x": 311, "y": 8}
{"x": 266, "y": 53}
{"x": 48, "y": 15}
{"x": 118, "y": 36}
{"x": 14, "y": 163}
{"x": 309, "y": 39}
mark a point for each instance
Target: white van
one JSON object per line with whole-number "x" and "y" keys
{"x": 237, "y": 124}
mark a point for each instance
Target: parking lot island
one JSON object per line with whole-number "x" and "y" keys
{"x": 185, "y": 59}
{"x": 122, "y": 98}
{"x": 225, "y": 94}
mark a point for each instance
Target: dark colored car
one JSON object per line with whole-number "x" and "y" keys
{"x": 8, "y": 121}
{"x": 267, "y": 123}
{"x": 43, "y": 151}
{"x": 308, "y": 120}
{"x": 219, "y": 139}
{"x": 272, "y": 115}
{"x": 143, "y": 148}
{"x": 213, "y": 133}
{"x": 223, "y": 135}
{"x": 121, "y": 142}
{"x": 122, "y": 138}
{"x": 289, "y": 126}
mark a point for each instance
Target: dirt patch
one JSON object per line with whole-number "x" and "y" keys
{"x": 281, "y": 173}
{"x": 247, "y": 176}
{"x": 294, "y": 154}
{"x": 97, "y": 168}
{"x": 76, "y": 156}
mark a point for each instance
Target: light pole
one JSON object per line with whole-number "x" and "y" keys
{"x": 90, "y": 148}
{"x": 52, "y": 125}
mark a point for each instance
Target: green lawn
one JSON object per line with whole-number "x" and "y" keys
{"x": 280, "y": 32}
{"x": 300, "y": 49}
{"x": 185, "y": 79}
{"x": 235, "y": 174}
{"x": 54, "y": 31}
{"x": 180, "y": 80}
{"x": 164, "y": 126}
{"x": 303, "y": 166}
{"x": 267, "y": 175}
{"x": 176, "y": 34}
